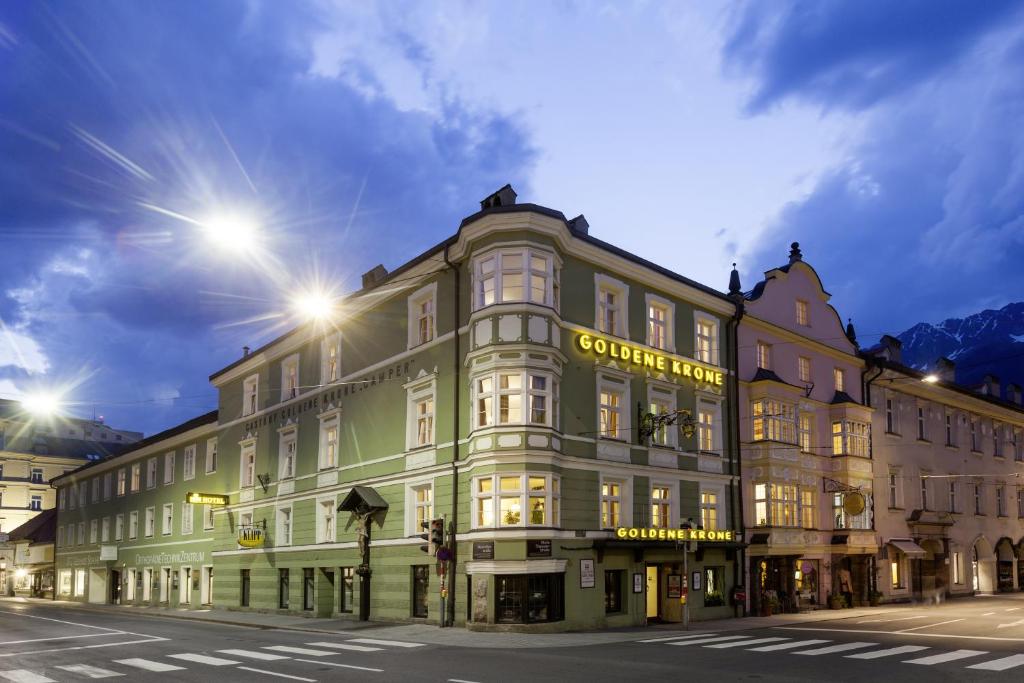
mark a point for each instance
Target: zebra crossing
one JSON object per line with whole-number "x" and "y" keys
{"x": 858, "y": 650}
{"x": 233, "y": 657}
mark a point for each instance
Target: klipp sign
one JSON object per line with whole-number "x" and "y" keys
{"x": 635, "y": 355}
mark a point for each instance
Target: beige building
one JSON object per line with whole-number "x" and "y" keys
{"x": 949, "y": 511}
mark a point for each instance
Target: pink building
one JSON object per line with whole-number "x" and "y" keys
{"x": 805, "y": 445}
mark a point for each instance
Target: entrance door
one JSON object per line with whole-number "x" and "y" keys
{"x": 115, "y": 587}
{"x": 186, "y": 586}
{"x": 206, "y": 589}
{"x": 652, "y": 592}
{"x": 165, "y": 584}
{"x": 147, "y": 584}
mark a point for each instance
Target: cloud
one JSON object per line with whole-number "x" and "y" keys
{"x": 853, "y": 54}
{"x": 20, "y": 351}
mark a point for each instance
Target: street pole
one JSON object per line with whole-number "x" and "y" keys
{"x": 686, "y": 583}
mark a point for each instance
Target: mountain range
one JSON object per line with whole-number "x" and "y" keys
{"x": 983, "y": 343}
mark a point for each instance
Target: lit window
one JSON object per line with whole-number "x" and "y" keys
{"x": 330, "y": 359}
{"x": 708, "y": 426}
{"x": 839, "y": 376}
{"x": 661, "y": 507}
{"x": 136, "y": 477}
{"x": 764, "y": 355}
{"x": 510, "y": 398}
{"x": 661, "y": 406}
{"x": 151, "y": 467}
{"x": 895, "y": 573}
{"x": 521, "y": 398}
{"x": 804, "y": 368}
{"x": 706, "y": 340}
{"x": 801, "y": 313}
{"x": 805, "y": 431}
{"x": 187, "y": 518}
{"x": 610, "y": 414}
{"x": 774, "y": 421}
{"x": 611, "y": 504}
{"x": 807, "y": 508}
{"x": 850, "y": 437}
{"x": 485, "y": 401}
{"x": 423, "y": 506}
{"x": 709, "y": 510}
{"x": 516, "y": 500}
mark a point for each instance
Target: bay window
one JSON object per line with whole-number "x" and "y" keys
{"x": 506, "y": 398}
{"x": 847, "y": 521}
{"x": 510, "y": 500}
{"x": 777, "y": 505}
{"x": 516, "y": 275}
{"x": 774, "y": 420}
{"x": 850, "y": 437}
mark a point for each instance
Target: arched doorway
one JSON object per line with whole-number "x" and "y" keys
{"x": 1004, "y": 565}
{"x": 983, "y": 566}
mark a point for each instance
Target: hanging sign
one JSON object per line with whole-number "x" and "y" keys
{"x": 250, "y": 536}
{"x": 853, "y": 503}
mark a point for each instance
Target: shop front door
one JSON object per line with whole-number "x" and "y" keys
{"x": 115, "y": 587}
{"x": 652, "y": 592}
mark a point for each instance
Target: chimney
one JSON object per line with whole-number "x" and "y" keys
{"x": 1013, "y": 393}
{"x": 989, "y": 386}
{"x": 374, "y": 276}
{"x": 506, "y": 196}
{"x": 245, "y": 351}
{"x": 892, "y": 348}
{"x": 580, "y": 225}
{"x": 945, "y": 369}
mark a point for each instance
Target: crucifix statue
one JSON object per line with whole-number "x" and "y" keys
{"x": 366, "y": 506}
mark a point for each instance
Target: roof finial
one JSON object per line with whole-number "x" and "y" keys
{"x": 851, "y": 333}
{"x": 734, "y": 282}
{"x": 794, "y": 253}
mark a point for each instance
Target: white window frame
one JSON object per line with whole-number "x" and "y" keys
{"x": 707, "y": 404}
{"x": 803, "y": 369}
{"x": 167, "y": 519}
{"x": 122, "y": 482}
{"x": 119, "y": 526}
{"x": 852, "y": 438}
{"x": 188, "y": 516}
{"x": 250, "y": 395}
{"x": 188, "y": 464}
{"x": 803, "y": 313}
{"x": 285, "y": 523}
{"x": 777, "y": 420}
{"x": 657, "y": 393}
{"x": 673, "y": 503}
{"x": 839, "y": 379}
{"x": 414, "y": 505}
{"x": 208, "y": 521}
{"x": 551, "y": 495}
{"x": 96, "y": 489}
{"x": 169, "y": 467}
{"x": 763, "y": 355}
{"x": 291, "y": 385}
{"x": 133, "y": 525}
{"x": 327, "y": 345}
{"x": 329, "y": 420}
{"x": 211, "y": 455}
{"x": 525, "y": 393}
{"x": 653, "y": 301}
{"x": 136, "y": 480}
{"x": 604, "y": 283}
{"x": 247, "y": 464}
{"x": 719, "y": 506}
{"x": 152, "y": 467}
{"x": 713, "y": 354}
{"x": 607, "y": 382}
{"x": 108, "y": 486}
{"x": 624, "y": 499}
{"x": 417, "y": 393}
{"x": 426, "y": 295}
{"x": 526, "y": 272}
{"x": 94, "y": 531}
{"x": 105, "y": 530}
{"x": 326, "y": 532}
{"x": 150, "y": 522}
{"x": 288, "y": 438}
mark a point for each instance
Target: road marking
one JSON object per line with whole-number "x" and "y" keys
{"x": 663, "y": 640}
{"x": 886, "y": 621}
{"x": 203, "y": 659}
{"x": 346, "y": 646}
{"x": 83, "y": 635}
{"x": 917, "y": 628}
{"x": 1015, "y": 623}
{"x": 61, "y": 621}
{"x": 988, "y": 614}
{"x": 744, "y": 643}
{"x": 148, "y": 639}
{"x": 266, "y": 656}
{"x": 788, "y": 646}
{"x": 875, "y": 633}
{"x": 905, "y": 649}
{"x": 148, "y": 664}
{"x": 89, "y": 671}
{"x": 1000, "y": 664}
{"x": 701, "y": 641}
{"x": 392, "y": 643}
{"x": 946, "y": 657}
{"x": 460, "y": 680}
{"x": 343, "y": 666}
{"x": 24, "y": 676}
{"x": 279, "y": 675}
{"x": 842, "y": 647}
{"x": 299, "y": 650}
{"x": 1012, "y": 609}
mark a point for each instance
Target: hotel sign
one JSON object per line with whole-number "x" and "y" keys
{"x": 205, "y": 498}
{"x": 644, "y": 534}
{"x": 640, "y": 356}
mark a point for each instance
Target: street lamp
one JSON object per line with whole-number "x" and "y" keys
{"x": 930, "y": 379}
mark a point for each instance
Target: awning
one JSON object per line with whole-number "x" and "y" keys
{"x": 908, "y": 548}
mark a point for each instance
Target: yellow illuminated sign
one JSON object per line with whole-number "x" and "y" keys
{"x": 636, "y": 355}
{"x": 644, "y": 534}
{"x": 205, "y": 498}
{"x": 250, "y": 537}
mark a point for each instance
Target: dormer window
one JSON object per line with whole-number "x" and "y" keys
{"x": 764, "y": 355}
{"x": 840, "y": 379}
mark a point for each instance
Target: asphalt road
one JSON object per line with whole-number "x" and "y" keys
{"x": 967, "y": 640}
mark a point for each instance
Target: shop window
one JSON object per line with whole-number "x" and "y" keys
{"x": 613, "y": 579}
{"x": 420, "y": 589}
{"x": 245, "y": 579}
{"x": 714, "y": 593}
{"x": 896, "y": 571}
{"x": 839, "y": 379}
{"x": 922, "y": 423}
{"x": 307, "y": 589}
{"x": 282, "y": 588}
{"x": 958, "y": 567}
{"x": 122, "y": 484}
{"x": 347, "y": 589}
{"x": 529, "y": 598}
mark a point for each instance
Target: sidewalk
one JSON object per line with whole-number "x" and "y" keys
{"x": 460, "y": 637}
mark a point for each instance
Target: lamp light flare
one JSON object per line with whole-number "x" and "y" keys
{"x": 41, "y": 404}
{"x": 230, "y": 231}
{"x": 930, "y": 379}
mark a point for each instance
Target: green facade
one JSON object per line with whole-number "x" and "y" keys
{"x": 522, "y": 561}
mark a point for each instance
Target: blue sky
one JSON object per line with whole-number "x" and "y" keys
{"x": 884, "y": 137}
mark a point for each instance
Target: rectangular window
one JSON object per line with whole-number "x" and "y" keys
{"x": 119, "y": 527}
{"x": 529, "y": 598}
{"x": 1020, "y": 502}
{"x": 150, "y": 522}
{"x": 839, "y": 378}
{"x": 850, "y": 438}
{"x": 950, "y": 436}
{"x": 122, "y": 482}
{"x": 1000, "y": 501}
{"x": 424, "y": 411}
{"x": 706, "y": 342}
{"x": 83, "y": 494}
{"x": 94, "y": 530}
{"x": 247, "y": 471}
{"x": 133, "y": 524}
{"x": 168, "y": 468}
{"x": 958, "y": 567}
{"x": 330, "y": 359}
{"x": 997, "y": 440}
{"x": 211, "y": 456}
{"x": 709, "y": 510}
{"x": 952, "y": 497}
{"x": 347, "y": 589}
{"x": 510, "y": 399}
{"x": 329, "y": 444}
{"x": 282, "y": 589}
{"x": 805, "y": 432}
{"x": 250, "y": 394}
{"x": 895, "y": 572}
{"x": 978, "y": 505}
{"x": 608, "y": 311}
{"x": 420, "y": 590}
{"x": 807, "y": 508}
{"x": 485, "y": 401}
{"x": 1016, "y": 445}
{"x": 613, "y": 579}
{"x": 36, "y": 503}
{"x": 207, "y": 517}
{"x": 422, "y": 322}
{"x": 187, "y": 518}
{"x": 290, "y": 377}
{"x": 189, "y": 463}
{"x": 803, "y": 368}
{"x": 801, "y": 313}
{"x": 168, "y": 527}
{"x": 774, "y": 421}
{"x": 245, "y": 579}
{"x": 37, "y": 476}
{"x": 708, "y": 426}
{"x": 764, "y": 355}
{"x": 423, "y": 506}
{"x": 974, "y": 435}
{"x": 922, "y": 424}
{"x": 777, "y": 505}
{"x": 661, "y": 507}
{"x": 924, "y": 491}
{"x": 714, "y": 586}
{"x": 136, "y": 477}
{"x": 108, "y": 487}
{"x": 325, "y": 522}
{"x": 105, "y": 530}
{"x": 891, "y": 416}
{"x": 95, "y": 485}
{"x": 611, "y": 504}
{"x": 516, "y": 276}
{"x": 287, "y": 444}
{"x": 610, "y": 412}
{"x": 284, "y": 526}
{"x": 151, "y": 468}
{"x": 847, "y": 521}
{"x": 658, "y": 325}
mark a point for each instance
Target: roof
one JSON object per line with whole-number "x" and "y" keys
{"x": 208, "y": 418}
{"x": 885, "y": 364}
{"x": 40, "y": 529}
{"x": 468, "y": 220}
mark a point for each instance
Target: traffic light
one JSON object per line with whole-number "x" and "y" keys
{"x": 426, "y": 537}
{"x": 436, "y": 534}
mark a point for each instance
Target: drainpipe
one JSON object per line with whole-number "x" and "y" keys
{"x": 739, "y": 567}
{"x": 456, "y": 385}
{"x": 866, "y": 400}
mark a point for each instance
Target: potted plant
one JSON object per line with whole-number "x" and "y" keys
{"x": 836, "y": 601}
{"x": 875, "y": 598}
{"x": 769, "y": 603}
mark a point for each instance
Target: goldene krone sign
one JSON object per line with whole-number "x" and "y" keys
{"x": 647, "y": 358}
{"x": 645, "y": 534}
